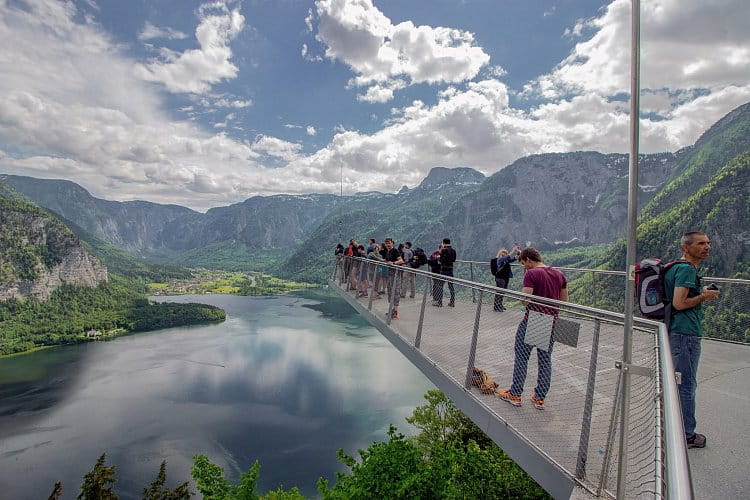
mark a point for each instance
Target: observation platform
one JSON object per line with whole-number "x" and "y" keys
{"x": 571, "y": 447}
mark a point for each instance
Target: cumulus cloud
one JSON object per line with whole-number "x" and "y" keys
{"x": 684, "y": 45}
{"x": 381, "y": 53}
{"x": 149, "y": 32}
{"x": 195, "y": 70}
{"x": 97, "y": 123}
{"x": 279, "y": 148}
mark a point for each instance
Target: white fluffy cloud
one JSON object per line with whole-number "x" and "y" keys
{"x": 684, "y": 45}
{"x": 72, "y": 106}
{"x": 195, "y": 70}
{"x": 384, "y": 55}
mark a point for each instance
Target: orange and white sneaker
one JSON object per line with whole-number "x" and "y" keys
{"x": 510, "y": 398}
{"x": 538, "y": 403}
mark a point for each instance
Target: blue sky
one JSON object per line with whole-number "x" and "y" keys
{"x": 208, "y": 103}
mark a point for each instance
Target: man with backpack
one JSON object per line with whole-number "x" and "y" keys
{"x": 500, "y": 269}
{"x": 683, "y": 290}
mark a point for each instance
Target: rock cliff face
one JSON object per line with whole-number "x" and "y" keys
{"x": 38, "y": 253}
{"x": 553, "y": 200}
{"x": 78, "y": 267}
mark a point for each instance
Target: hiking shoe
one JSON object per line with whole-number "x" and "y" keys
{"x": 697, "y": 441}
{"x": 538, "y": 403}
{"x": 510, "y": 398}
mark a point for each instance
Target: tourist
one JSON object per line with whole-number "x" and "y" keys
{"x": 408, "y": 277}
{"x": 434, "y": 264}
{"x": 684, "y": 316}
{"x": 394, "y": 283}
{"x": 500, "y": 268}
{"x": 542, "y": 281}
{"x": 446, "y": 259}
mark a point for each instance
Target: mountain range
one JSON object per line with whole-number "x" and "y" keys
{"x": 554, "y": 201}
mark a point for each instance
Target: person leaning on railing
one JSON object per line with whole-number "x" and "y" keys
{"x": 683, "y": 289}
{"x": 543, "y": 281}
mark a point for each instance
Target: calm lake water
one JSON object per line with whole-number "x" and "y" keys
{"x": 285, "y": 380}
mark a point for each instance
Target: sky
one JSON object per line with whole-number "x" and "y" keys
{"x": 204, "y": 104}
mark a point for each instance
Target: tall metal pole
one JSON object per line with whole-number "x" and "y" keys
{"x": 627, "y": 348}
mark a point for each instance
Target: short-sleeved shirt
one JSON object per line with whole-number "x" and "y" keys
{"x": 392, "y": 255}
{"x": 408, "y": 254}
{"x": 687, "y": 321}
{"x": 545, "y": 282}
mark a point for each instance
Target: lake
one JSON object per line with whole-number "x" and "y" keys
{"x": 286, "y": 380}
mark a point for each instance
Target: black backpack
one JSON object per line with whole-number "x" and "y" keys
{"x": 493, "y": 266}
{"x": 419, "y": 258}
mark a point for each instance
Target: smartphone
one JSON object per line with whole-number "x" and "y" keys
{"x": 712, "y": 286}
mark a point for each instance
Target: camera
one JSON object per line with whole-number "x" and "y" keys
{"x": 712, "y": 286}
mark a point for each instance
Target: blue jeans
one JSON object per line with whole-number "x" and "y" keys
{"x": 686, "y": 352}
{"x": 521, "y": 363}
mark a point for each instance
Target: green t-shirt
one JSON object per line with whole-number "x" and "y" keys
{"x": 687, "y": 321}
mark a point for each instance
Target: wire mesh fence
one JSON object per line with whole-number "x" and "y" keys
{"x": 561, "y": 353}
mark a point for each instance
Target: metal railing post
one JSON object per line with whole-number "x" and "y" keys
{"x": 373, "y": 291}
{"x": 335, "y": 268}
{"x": 583, "y": 444}
{"x": 391, "y": 294}
{"x": 610, "y": 437}
{"x": 593, "y": 289}
{"x": 427, "y": 287}
{"x": 474, "y": 337}
{"x": 471, "y": 277}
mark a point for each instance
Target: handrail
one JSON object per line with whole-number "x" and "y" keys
{"x": 679, "y": 482}
{"x": 717, "y": 279}
{"x": 615, "y": 316}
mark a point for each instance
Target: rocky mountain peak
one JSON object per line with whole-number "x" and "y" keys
{"x": 442, "y": 176}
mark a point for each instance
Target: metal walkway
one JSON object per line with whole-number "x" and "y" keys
{"x": 570, "y": 448}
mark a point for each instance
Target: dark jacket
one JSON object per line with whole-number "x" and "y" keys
{"x": 502, "y": 267}
{"x": 447, "y": 257}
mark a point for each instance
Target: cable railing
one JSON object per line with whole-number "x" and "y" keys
{"x": 603, "y": 289}
{"x": 456, "y": 326}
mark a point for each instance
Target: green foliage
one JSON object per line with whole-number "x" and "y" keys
{"x": 112, "y": 308}
{"x": 56, "y": 491}
{"x": 225, "y": 255}
{"x": 450, "y": 458}
{"x": 98, "y": 482}
{"x": 214, "y": 486}
{"x": 158, "y": 491}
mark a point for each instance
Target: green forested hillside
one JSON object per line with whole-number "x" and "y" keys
{"x": 31, "y": 240}
{"x": 117, "y": 307}
{"x": 721, "y": 208}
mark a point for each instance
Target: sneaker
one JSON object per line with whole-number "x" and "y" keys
{"x": 395, "y": 315}
{"x": 510, "y": 398}
{"x": 451, "y": 304}
{"x": 697, "y": 441}
{"x": 437, "y": 304}
{"x": 538, "y": 403}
